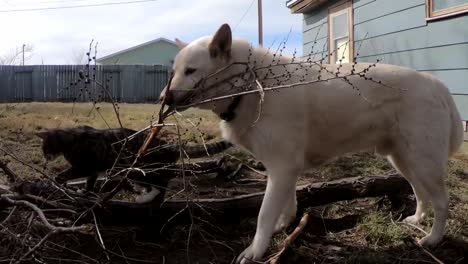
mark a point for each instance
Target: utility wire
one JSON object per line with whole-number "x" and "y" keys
{"x": 243, "y": 16}
{"x": 62, "y": 1}
{"x": 75, "y": 6}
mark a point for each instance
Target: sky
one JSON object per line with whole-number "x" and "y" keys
{"x": 59, "y": 36}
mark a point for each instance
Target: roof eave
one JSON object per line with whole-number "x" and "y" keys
{"x": 304, "y": 6}
{"x": 134, "y": 48}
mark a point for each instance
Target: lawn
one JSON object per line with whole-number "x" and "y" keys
{"x": 358, "y": 231}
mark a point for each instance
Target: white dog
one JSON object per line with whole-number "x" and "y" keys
{"x": 407, "y": 116}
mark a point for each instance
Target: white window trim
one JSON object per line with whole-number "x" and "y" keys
{"x": 336, "y": 10}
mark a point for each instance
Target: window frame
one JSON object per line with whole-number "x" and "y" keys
{"x": 336, "y": 10}
{"x": 444, "y": 13}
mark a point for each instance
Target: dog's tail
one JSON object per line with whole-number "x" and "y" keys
{"x": 456, "y": 130}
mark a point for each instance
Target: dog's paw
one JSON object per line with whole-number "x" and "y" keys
{"x": 413, "y": 219}
{"x": 254, "y": 252}
{"x": 247, "y": 256}
{"x": 429, "y": 241}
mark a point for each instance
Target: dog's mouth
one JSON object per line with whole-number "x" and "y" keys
{"x": 180, "y": 101}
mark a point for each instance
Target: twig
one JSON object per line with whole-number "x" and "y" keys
{"x": 260, "y": 102}
{"x": 12, "y": 211}
{"x": 198, "y": 130}
{"x": 234, "y": 173}
{"x": 155, "y": 130}
{"x": 52, "y": 229}
{"x": 42, "y": 241}
{"x": 279, "y": 87}
{"x": 427, "y": 252}
{"x": 42, "y": 217}
{"x": 287, "y": 242}
{"x": 413, "y": 226}
{"x": 99, "y": 234}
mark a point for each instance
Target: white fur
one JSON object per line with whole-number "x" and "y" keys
{"x": 147, "y": 197}
{"x": 412, "y": 120}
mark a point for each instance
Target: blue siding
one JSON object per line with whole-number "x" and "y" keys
{"x": 397, "y": 32}
{"x": 395, "y": 22}
{"x": 378, "y": 9}
{"x": 315, "y": 34}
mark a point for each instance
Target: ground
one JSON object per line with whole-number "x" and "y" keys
{"x": 359, "y": 231}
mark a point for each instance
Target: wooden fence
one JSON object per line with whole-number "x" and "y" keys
{"x": 59, "y": 83}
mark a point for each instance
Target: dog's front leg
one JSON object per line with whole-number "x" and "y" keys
{"x": 280, "y": 191}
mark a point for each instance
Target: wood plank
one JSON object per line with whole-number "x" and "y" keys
{"x": 360, "y": 3}
{"x": 380, "y": 8}
{"x": 391, "y": 23}
{"x": 453, "y": 30}
{"x": 444, "y": 57}
{"x": 456, "y": 80}
{"x": 462, "y": 104}
{"x": 319, "y": 47}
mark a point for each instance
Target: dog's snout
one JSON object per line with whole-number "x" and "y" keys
{"x": 166, "y": 96}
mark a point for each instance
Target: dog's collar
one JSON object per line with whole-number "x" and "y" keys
{"x": 229, "y": 114}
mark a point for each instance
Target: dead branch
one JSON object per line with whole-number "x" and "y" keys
{"x": 230, "y": 209}
{"x": 307, "y": 195}
{"x": 42, "y": 217}
{"x": 289, "y": 239}
{"x": 248, "y": 205}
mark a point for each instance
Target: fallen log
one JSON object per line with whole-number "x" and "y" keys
{"x": 233, "y": 208}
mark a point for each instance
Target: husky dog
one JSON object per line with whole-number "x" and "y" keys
{"x": 323, "y": 111}
{"x": 92, "y": 151}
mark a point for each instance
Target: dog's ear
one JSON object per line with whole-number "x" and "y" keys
{"x": 221, "y": 43}
{"x": 180, "y": 43}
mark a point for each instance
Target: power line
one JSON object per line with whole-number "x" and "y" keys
{"x": 61, "y": 1}
{"x": 243, "y": 16}
{"x": 75, "y": 6}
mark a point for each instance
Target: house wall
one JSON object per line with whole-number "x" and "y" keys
{"x": 397, "y": 32}
{"x": 161, "y": 53}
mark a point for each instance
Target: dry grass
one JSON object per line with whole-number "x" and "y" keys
{"x": 32, "y": 117}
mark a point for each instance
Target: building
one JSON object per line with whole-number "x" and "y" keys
{"x": 160, "y": 51}
{"x": 426, "y": 35}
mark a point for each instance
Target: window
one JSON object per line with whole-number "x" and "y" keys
{"x": 340, "y": 33}
{"x": 445, "y": 8}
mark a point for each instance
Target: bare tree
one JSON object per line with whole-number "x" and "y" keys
{"x": 78, "y": 57}
{"x": 19, "y": 55}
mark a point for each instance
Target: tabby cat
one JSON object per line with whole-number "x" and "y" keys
{"x": 92, "y": 151}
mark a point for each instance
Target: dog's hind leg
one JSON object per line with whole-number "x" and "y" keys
{"x": 422, "y": 198}
{"x": 440, "y": 205}
{"x": 425, "y": 172}
{"x": 280, "y": 192}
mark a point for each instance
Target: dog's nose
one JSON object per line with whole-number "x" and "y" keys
{"x": 165, "y": 96}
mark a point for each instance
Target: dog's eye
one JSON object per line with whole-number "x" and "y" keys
{"x": 189, "y": 71}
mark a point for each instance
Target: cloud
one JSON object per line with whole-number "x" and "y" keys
{"x": 57, "y": 34}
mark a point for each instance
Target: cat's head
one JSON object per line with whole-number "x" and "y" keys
{"x": 51, "y": 146}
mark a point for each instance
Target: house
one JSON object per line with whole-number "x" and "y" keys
{"x": 160, "y": 51}
{"x": 426, "y": 35}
